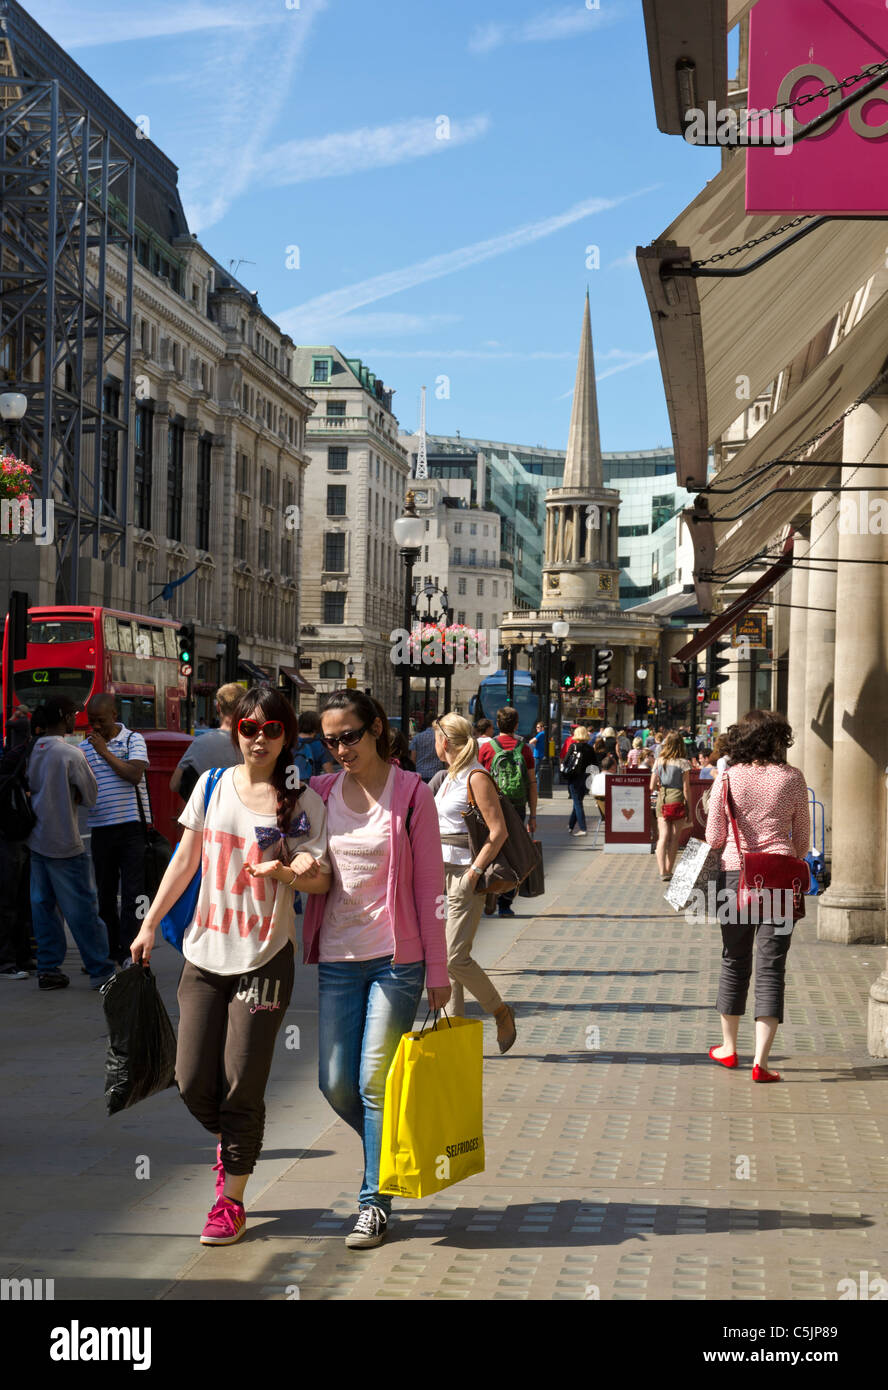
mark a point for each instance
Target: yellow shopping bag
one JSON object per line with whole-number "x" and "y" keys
{"x": 432, "y": 1124}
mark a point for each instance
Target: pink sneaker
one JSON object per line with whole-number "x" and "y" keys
{"x": 219, "y": 1170}
{"x": 226, "y": 1223}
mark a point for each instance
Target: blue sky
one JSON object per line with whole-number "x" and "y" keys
{"x": 442, "y": 169}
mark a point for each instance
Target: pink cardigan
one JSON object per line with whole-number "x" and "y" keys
{"x": 415, "y": 898}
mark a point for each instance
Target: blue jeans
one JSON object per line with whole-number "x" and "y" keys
{"x": 364, "y": 1007}
{"x": 577, "y": 815}
{"x": 69, "y": 885}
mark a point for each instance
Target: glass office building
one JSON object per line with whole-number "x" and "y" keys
{"x": 513, "y": 479}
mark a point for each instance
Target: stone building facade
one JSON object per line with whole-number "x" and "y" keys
{"x": 351, "y": 576}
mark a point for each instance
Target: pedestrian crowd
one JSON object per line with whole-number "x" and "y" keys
{"x": 373, "y": 830}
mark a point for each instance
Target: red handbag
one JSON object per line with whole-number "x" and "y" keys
{"x": 762, "y": 874}
{"x": 674, "y": 810}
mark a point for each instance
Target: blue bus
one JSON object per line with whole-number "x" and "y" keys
{"x": 492, "y": 695}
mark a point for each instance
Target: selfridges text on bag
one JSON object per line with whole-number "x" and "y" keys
{"x": 433, "y": 1116}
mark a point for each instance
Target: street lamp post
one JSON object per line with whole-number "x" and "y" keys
{"x": 546, "y": 774}
{"x": 409, "y": 530}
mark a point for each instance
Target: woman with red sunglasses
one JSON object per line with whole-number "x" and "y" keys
{"x": 262, "y": 834}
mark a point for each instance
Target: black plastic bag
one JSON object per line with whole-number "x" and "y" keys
{"x": 141, "y": 1055}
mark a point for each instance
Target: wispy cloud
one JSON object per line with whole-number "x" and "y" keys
{"x": 472, "y": 354}
{"x": 371, "y": 147}
{"x": 354, "y": 326}
{"x": 313, "y": 319}
{"x": 225, "y": 88}
{"x": 96, "y": 25}
{"x": 624, "y": 262}
{"x": 627, "y": 360}
{"x": 554, "y": 24}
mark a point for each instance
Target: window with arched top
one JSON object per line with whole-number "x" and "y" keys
{"x": 332, "y": 670}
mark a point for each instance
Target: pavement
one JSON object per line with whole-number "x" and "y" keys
{"x": 621, "y": 1163}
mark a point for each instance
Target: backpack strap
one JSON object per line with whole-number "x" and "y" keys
{"x": 214, "y": 777}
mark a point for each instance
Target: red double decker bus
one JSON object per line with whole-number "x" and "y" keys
{"x": 79, "y": 651}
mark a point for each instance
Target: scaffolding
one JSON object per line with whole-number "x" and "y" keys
{"x": 67, "y": 199}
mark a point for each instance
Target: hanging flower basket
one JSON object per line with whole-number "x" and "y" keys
{"x": 15, "y": 487}
{"x": 621, "y": 695}
{"x": 432, "y": 650}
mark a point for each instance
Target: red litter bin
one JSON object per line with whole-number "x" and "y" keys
{"x": 165, "y": 750}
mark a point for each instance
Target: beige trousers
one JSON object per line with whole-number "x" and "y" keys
{"x": 464, "y": 908}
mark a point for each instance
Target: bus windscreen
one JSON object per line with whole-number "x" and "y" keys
{"x": 33, "y": 687}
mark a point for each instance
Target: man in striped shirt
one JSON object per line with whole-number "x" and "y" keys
{"x": 118, "y": 759}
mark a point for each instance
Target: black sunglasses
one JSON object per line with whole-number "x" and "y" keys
{"x": 349, "y": 737}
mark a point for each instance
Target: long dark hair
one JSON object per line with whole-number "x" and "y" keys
{"x": 763, "y": 735}
{"x": 273, "y": 705}
{"x": 368, "y": 710}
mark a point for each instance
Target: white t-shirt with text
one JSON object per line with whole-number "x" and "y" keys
{"x": 242, "y": 922}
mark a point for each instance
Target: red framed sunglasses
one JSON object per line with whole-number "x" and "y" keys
{"x": 251, "y": 728}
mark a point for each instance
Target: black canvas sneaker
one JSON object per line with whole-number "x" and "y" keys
{"x": 369, "y": 1229}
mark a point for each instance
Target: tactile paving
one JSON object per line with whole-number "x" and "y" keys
{"x": 622, "y": 1165}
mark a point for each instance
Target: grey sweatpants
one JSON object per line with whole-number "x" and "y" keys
{"x": 736, "y": 971}
{"x": 228, "y": 1025}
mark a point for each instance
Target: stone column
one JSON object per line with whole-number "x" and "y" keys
{"x": 159, "y": 463}
{"x": 821, "y": 651}
{"x": 798, "y": 648}
{"x": 853, "y": 907}
{"x": 189, "y": 482}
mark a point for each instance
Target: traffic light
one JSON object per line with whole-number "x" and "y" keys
{"x": 232, "y": 652}
{"x": 715, "y": 664}
{"x": 603, "y": 658}
{"x": 186, "y": 648}
{"x": 568, "y": 674}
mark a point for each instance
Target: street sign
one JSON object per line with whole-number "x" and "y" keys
{"x": 750, "y": 631}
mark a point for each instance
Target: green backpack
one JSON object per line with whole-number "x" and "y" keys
{"x": 509, "y": 771}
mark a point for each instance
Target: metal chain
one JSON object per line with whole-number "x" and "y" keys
{"x": 871, "y": 71}
{"x": 757, "y": 241}
{"x": 815, "y": 439}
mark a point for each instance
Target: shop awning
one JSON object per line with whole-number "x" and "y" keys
{"x": 692, "y": 34}
{"x": 298, "y": 681}
{"x": 752, "y": 327}
{"x": 256, "y": 673}
{"x": 726, "y": 620}
{"x": 823, "y": 395}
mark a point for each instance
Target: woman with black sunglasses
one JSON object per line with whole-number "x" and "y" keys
{"x": 378, "y": 934}
{"x": 261, "y": 834}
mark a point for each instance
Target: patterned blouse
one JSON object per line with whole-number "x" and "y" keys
{"x": 771, "y": 809}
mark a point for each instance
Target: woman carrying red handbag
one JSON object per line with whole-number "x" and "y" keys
{"x": 671, "y": 780}
{"x": 769, "y": 803}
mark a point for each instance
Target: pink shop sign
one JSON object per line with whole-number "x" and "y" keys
{"x": 797, "y": 47}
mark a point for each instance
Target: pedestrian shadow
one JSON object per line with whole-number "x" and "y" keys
{"x": 550, "y": 973}
{"x": 571, "y": 1222}
{"x": 606, "y": 916}
{"x": 295, "y": 1154}
{"x": 538, "y": 1006}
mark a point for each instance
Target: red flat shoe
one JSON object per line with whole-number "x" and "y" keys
{"x": 730, "y": 1061}
{"x": 760, "y": 1074}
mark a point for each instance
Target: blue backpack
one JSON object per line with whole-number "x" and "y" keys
{"x": 180, "y": 916}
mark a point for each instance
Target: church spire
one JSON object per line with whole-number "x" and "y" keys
{"x": 582, "y": 466}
